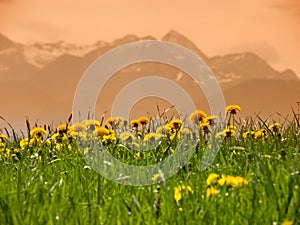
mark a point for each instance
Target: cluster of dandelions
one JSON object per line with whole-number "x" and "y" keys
{"x": 140, "y": 133}
{"x": 231, "y": 127}
{"x": 215, "y": 182}
{"x": 134, "y": 134}
{"x": 263, "y": 133}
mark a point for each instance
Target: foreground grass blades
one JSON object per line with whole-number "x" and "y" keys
{"x": 255, "y": 178}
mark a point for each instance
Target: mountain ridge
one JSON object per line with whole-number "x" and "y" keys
{"x": 49, "y": 51}
{"x": 43, "y": 86}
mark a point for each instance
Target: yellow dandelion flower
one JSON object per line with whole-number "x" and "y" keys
{"x": 275, "y": 127}
{"x": 72, "y": 134}
{"x": 178, "y": 191}
{"x": 38, "y": 132}
{"x": 17, "y": 150}
{"x": 210, "y": 120}
{"x": 262, "y": 133}
{"x": 180, "y": 209}
{"x": 143, "y": 120}
{"x": 24, "y": 142}
{"x": 187, "y": 188}
{"x": 248, "y": 134}
{"x": 204, "y": 125}
{"x": 211, "y": 191}
{"x": 237, "y": 181}
{"x": 109, "y": 122}
{"x": 112, "y": 132}
{"x": 35, "y": 141}
{"x": 114, "y": 122}
{"x": 287, "y": 222}
{"x": 91, "y": 124}
{"x": 101, "y": 131}
{"x": 212, "y": 178}
{"x": 231, "y": 127}
{"x": 134, "y": 123}
{"x": 59, "y": 137}
{"x": 3, "y": 138}
{"x": 109, "y": 139}
{"x": 240, "y": 181}
{"x": 8, "y": 153}
{"x": 231, "y": 181}
{"x": 222, "y": 180}
{"x": 175, "y": 136}
{"x": 169, "y": 129}
{"x": 197, "y": 116}
{"x": 229, "y": 132}
{"x": 233, "y": 109}
{"x": 174, "y": 125}
{"x": 64, "y": 128}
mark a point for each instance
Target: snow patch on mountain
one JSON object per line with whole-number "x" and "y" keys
{"x": 41, "y": 54}
{"x": 238, "y": 57}
{"x": 8, "y": 51}
{"x": 225, "y": 77}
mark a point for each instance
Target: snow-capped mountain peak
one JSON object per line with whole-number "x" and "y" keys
{"x": 41, "y": 54}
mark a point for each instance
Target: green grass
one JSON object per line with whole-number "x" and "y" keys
{"x": 43, "y": 185}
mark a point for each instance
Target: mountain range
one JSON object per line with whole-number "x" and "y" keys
{"x": 39, "y": 80}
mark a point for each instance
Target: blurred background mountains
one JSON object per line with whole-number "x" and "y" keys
{"x": 39, "y": 80}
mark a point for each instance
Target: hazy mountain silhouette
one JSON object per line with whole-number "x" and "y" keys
{"x": 40, "y": 80}
{"x": 271, "y": 95}
{"x": 177, "y": 38}
{"x": 5, "y": 42}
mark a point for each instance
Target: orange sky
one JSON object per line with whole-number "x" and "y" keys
{"x": 268, "y": 27}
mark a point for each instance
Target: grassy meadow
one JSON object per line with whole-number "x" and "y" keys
{"x": 254, "y": 179}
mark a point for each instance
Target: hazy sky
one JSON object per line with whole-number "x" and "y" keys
{"x": 271, "y": 28}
